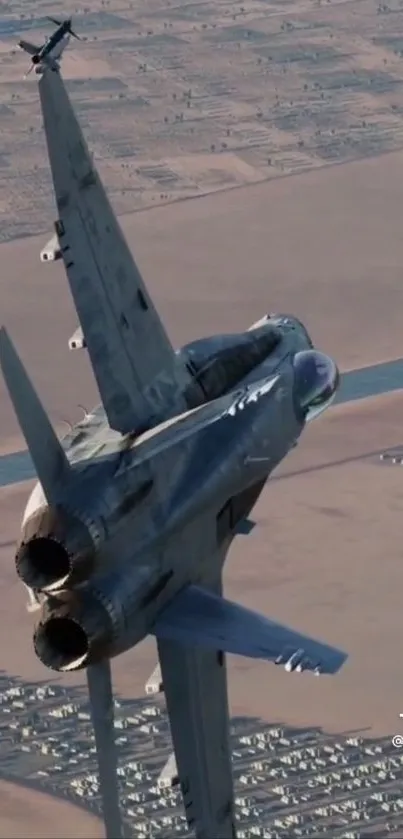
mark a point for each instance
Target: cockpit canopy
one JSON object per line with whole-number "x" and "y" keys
{"x": 219, "y": 363}
{"x": 315, "y": 383}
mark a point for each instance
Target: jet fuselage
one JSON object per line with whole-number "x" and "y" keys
{"x": 51, "y": 43}
{"x": 211, "y": 462}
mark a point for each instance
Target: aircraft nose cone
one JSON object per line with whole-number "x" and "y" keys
{"x": 316, "y": 379}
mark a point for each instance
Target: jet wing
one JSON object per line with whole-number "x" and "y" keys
{"x": 139, "y": 376}
{"x": 31, "y": 49}
{"x": 195, "y": 686}
{"x": 202, "y": 618}
{"x": 192, "y": 633}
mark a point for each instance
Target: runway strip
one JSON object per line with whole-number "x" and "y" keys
{"x": 375, "y": 380}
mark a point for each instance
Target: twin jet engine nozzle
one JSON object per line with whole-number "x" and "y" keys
{"x": 56, "y": 551}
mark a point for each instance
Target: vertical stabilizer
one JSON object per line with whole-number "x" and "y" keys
{"x": 49, "y": 459}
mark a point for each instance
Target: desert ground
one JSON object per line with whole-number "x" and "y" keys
{"x": 297, "y": 234}
{"x": 184, "y": 99}
{"x": 24, "y": 810}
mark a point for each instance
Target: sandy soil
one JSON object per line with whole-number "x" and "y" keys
{"x": 181, "y": 99}
{"x": 23, "y": 810}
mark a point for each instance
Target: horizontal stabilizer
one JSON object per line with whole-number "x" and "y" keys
{"x": 48, "y": 457}
{"x": 196, "y": 617}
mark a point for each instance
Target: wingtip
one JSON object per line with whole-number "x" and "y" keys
{"x": 337, "y": 661}
{"x": 8, "y": 354}
{"x": 6, "y": 345}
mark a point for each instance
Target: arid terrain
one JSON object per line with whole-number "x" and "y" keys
{"x": 183, "y": 99}
{"x": 276, "y": 89}
{"x": 27, "y": 813}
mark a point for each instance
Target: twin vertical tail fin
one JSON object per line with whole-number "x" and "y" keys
{"x": 49, "y": 459}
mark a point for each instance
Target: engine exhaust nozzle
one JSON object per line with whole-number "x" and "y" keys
{"x": 43, "y": 563}
{"x": 62, "y": 644}
{"x": 56, "y": 551}
{"x": 74, "y": 632}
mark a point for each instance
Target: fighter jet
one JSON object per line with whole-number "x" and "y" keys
{"x": 51, "y": 51}
{"x": 127, "y": 530}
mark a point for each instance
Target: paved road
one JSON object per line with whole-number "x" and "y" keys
{"x": 371, "y": 381}
{"x": 356, "y": 384}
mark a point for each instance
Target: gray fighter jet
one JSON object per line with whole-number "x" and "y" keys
{"x": 127, "y": 531}
{"x": 51, "y": 51}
